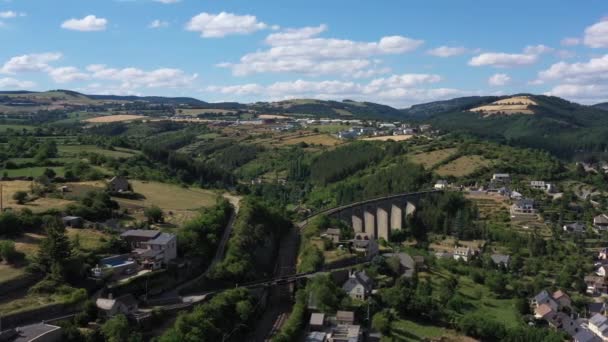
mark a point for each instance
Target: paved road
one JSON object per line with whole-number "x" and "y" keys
{"x": 219, "y": 253}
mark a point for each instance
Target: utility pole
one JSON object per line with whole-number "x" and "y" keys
{"x": 1, "y": 198}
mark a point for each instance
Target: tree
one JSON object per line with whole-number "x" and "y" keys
{"x": 382, "y": 322}
{"x": 7, "y": 251}
{"x": 56, "y": 248}
{"x": 49, "y": 173}
{"x": 118, "y": 329}
{"x": 154, "y": 214}
{"x": 20, "y": 197}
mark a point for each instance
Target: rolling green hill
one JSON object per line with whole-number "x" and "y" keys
{"x": 556, "y": 125}
{"x": 346, "y": 109}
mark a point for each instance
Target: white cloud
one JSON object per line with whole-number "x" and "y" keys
{"x": 498, "y": 80}
{"x": 158, "y": 24}
{"x": 302, "y": 51}
{"x": 8, "y": 14}
{"x": 11, "y": 83}
{"x": 570, "y": 41}
{"x": 87, "y": 24}
{"x": 583, "y": 81}
{"x": 30, "y": 63}
{"x": 596, "y": 70}
{"x": 529, "y": 56}
{"x": 223, "y": 24}
{"x": 167, "y": 2}
{"x": 447, "y": 51}
{"x": 398, "y": 90}
{"x": 585, "y": 93}
{"x": 133, "y": 78}
{"x": 596, "y": 35}
{"x": 67, "y": 74}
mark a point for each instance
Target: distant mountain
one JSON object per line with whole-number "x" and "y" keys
{"x": 546, "y": 122}
{"x": 603, "y": 106}
{"x": 426, "y": 110}
{"x": 346, "y": 109}
{"x": 152, "y": 99}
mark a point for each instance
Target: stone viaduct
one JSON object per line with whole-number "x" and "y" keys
{"x": 377, "y": 218}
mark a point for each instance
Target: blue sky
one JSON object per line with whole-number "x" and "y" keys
{"x": 396, "y": 52}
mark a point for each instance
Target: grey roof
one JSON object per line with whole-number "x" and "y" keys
{"x": 30, "y": 332}
{"x": 358, "y": 278}
{"x": 148, "y": 253}
{"x": 524, "y": 202}
{"x": 143, "y": 233}
{"x": 70, "y": 218}
{"x": 128, "y": 300}
{"x": 542, "y": 296}
{"x": 598, "y": 320}
{"x": 316, "y": 336}
{"x": 161, "y": 239}
{"x": 576, "y": 226}
{"x": 501, "y": 259}
{"x": 406, "y": 261}
{"x": 585, "y": 335}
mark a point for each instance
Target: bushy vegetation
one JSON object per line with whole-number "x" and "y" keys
{"x": 253, "y": 243}
{"x": 224, "y": 316}
{"x": 200, "y": 236}
{"x": 343, "y": 161}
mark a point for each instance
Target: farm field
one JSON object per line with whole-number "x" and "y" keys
{"x": 33, "y": 171}
{"x": 390, "y": 137}
{"x": 183, "y": 203}
{"x": 463, "y": 166}
{"x": 430, "y": 159}
{"x": 115, "y": 118}
{"x": 332, "y": 128}
{"x": 39, "y": 205}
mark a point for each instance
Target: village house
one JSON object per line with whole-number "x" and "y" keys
{"x": 525, "y": 206}
{"x": 602, "y": 271}
{"x": 407, "y": 265}
{"x": 501, "y": 260}
{"x": 316, "y": 336}
{"x": 503, "y": 178}
{"x": 111, "y": 307}
{"x": 358, "y": 286}
{"x": 317, "y": 321}
{"x": 576, "y": 227}
{"x": 369, "y": 248}
{"x": 441, "y": 184}
{"x": 600, "y": 222}
{"x": 603, "y": 254}
{"x": 598, "y": 325}
{"x": 345, "y": 333}
{"x": 544, "y": 298}
{"x": 332, "y": 234}
{"x": 463, "y": 253}
{"x": 596, "y": 285}
{"x": 73, "y": 221}
{"x": 119, "y": 184}
{"x": 585, "y": 335}
{"x": 542, "y": 185}
{"x": 545, "y": 303}
{"x": 152, "y": 247}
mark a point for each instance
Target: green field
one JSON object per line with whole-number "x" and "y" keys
{"x": 4, "y": 128}
{"x": 74, "y": 150}
{"x": 332, "y": 128}
{"x": 406, "y": 330}
{"x": 32, "y": 171}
